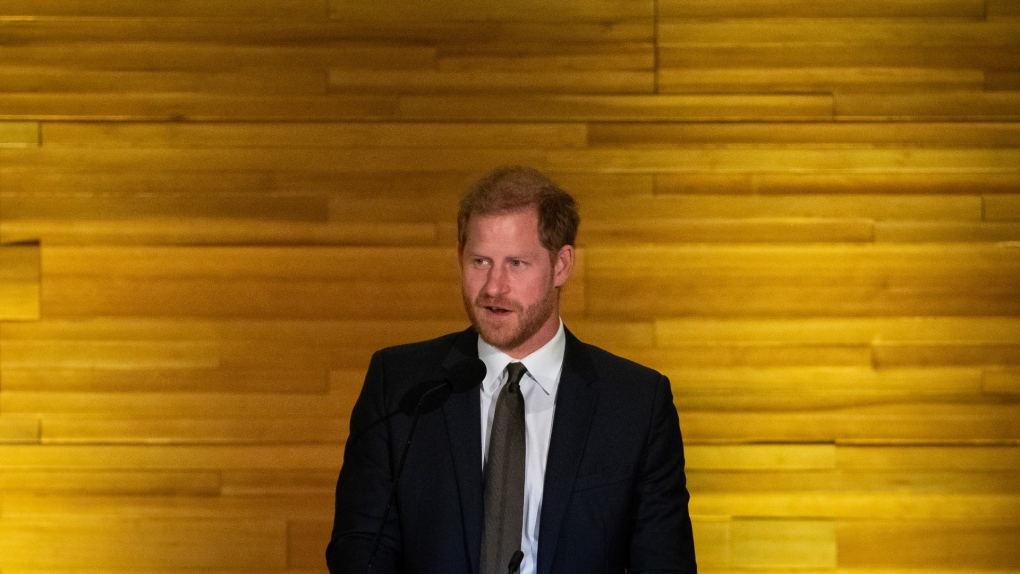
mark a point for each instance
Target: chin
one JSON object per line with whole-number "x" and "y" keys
{"x": 499, "y": 337}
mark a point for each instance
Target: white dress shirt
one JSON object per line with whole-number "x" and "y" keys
{"x": 538, "y": 387}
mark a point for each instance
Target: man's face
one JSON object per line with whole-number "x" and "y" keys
{"x": 510, "y": 282}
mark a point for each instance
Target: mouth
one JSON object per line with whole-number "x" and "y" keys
{"x": 499, "y": 311}
{"x": 494, "y": 307}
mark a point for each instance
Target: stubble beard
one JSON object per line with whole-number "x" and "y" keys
{"x": 506, "y": 336}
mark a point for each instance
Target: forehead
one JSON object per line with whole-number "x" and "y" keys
{"x": 518, "y": 228}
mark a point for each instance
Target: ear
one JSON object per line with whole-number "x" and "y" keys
{"x": 563, "y": 265}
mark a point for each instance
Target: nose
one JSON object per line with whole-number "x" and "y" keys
{"x": 496, "y": 282}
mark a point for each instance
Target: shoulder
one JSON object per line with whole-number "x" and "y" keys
{"x": 619, "y": 380}
{"x": 609, "y": 363}
{"x": 606, "y": 365}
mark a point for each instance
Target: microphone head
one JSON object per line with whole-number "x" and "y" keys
{"x": 431, "y": 394}
{"x": 466, "y": 375}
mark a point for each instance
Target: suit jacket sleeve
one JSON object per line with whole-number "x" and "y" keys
{"x": 662, "y": 540}
{"x": 362, "y": 490}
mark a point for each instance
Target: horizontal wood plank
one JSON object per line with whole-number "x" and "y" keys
{"x": 227, "y": 263}
{"x": 56, "y": 79}
{"x": 233, "y": 429}
{"x": 794, "y": 381}
{"x": 1008, "y": 80}
{"x": 898, "y": 355}
{"x": 167, "y": 483}
{"x": 29, "y": 181}
{"x": 889, "y": 281}
{"x": 1002, "y": 208}
{"x": 304, "y": 135}
{"x": 343, "y": 81}
{"x": 135, "y": 543}
{"x": 783, "y": 159}
{"x": 259, "y": 60}
{"x": 921, "y": 544}
{"x": 841, "y": 30}
{"x": 727, "y": 230}
{"x": 267, "y": 334}
{"x": 110, "y": 354}
{"x": 161, "y": 458}
{"x": 916, "y": 133}
{"x": 18, "y": 429}
{"x": 275, "y": 30}
{"x": 945, "y": 232}
{"x": 1001, "y": 381}
{"x": 896, "y": 422}
{"x": 529, "y": 10}
{"x": 19, "y": 134}
{"x": 307, "y": 208}
{"x": 780, "y": 80}
{"x": 1001, "y": 9}
{"x": 862, "y": 481}
{"x": 407, "y": 160}
{"x": 712, "y": 206}
{"x": 787, "y": 543}
{"x": 283, "y": 507}
{"x": 732, "y": 356}
{"x": 616, "y": 108}
{"x": 19, "y": 282}
{"x": 963, "y": 105}
{"x": 275, "y": 482}
{"x": 840, "y": 331}
{"x": 309, "y": 9}
{"x": 746, "y": 457}
{"x": 963, "y": 182}
{"x": 176, "y": 107}
{"x": 822, "y": 55}
{"x": 957, "y": 457}
{"x": 214, "y": 231}
{"x": 799, "y": 8}
{"x": 187, "y": 406}
{"x": 139, "y": 378}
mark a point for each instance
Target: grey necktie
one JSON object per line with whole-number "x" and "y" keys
{"x": 504, "y": 477}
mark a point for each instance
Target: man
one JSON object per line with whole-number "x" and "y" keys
{"x": 591, "y": 439}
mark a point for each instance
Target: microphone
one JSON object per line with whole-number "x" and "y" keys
{"x": 515, "y": 562}
{"x": 420, "y": 399}
{"x": 428, "y": 396}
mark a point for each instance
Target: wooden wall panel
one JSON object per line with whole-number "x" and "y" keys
{"x": 19, "y": 282}
{"x": 801, "y": 8}
{"x": 804, "y": 213}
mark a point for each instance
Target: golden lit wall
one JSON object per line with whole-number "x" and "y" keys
{"x": 806, "y": 213}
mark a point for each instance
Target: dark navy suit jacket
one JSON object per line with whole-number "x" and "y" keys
{"x": 615, "y": 497}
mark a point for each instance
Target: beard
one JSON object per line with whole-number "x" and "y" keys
{"x": 508, "y": 334}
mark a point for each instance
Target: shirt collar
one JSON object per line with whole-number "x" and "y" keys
{"x": 544, "y": 365}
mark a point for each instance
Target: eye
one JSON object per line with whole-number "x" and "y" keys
{"x": 516, "y": 262}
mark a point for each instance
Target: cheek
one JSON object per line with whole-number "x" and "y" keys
{"x": 472, "y": 280}
{"x": 536, "y": 287}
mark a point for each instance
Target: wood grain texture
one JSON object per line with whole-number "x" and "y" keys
{"x": 19, "y": 134}
{"x": 800, "y": 8}
{"x": 19, "y": 282}
{"x": 804, "y": 214}
{"x": 309, "y": 9}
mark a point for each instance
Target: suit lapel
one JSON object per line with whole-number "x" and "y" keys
{"x": 463, "y": 420}
{"x": 575, "y": 408}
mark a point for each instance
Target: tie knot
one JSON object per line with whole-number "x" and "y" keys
{"x": 515, "y": 372}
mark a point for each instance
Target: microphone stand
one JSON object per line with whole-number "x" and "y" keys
{"x": 400, "y": 470}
